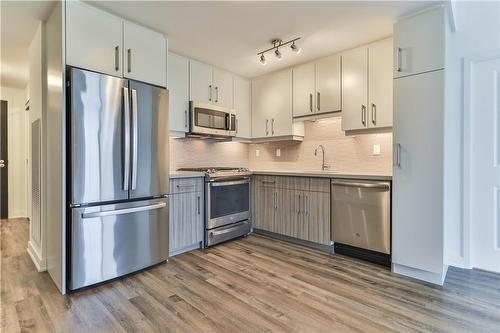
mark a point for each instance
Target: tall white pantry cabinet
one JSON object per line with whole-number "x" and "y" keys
{"x": 418, "y": 191}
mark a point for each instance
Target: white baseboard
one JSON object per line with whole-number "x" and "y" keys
{"x": 18, "y": 214}
{"x": 456, "y": 261}
{"x": 431, "y": 277}
{"x": 40, "y": 263}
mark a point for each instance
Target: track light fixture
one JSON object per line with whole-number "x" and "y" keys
{"x": 277, "y": 43}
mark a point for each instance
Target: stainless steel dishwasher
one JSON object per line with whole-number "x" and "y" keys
{"x": 361, "y": 219}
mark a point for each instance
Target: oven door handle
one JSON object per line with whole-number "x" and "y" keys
{"x": 216, "y": 183}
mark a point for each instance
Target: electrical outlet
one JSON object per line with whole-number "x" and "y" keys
{"x": 278, "y": 152}
{"x": 257, "y": 153}
{"x": 376, "y": 150}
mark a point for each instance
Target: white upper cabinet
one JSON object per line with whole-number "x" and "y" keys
{"x": 222, "y": 88}
{"x": 272, "y": 106}
{"x": 355, "y": 89}
{"x": 93, "y": 39}
{"x": 304, "y": 99}
{"x": 380, "y": 84}
{"x": 145, "y": 54}
{"x": 178, "y": 86}
{"x": 107, "y": 44}
{"x": 419, "y": 43}
{"x": 243, "y": 107}
{"x": 200, "y": 82}
{"x": 328, "y": 84}
{"x": 367, "y": 86}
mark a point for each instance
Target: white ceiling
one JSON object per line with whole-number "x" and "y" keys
{"x": 224, "y": 34}
{"x": 19, "y": 21}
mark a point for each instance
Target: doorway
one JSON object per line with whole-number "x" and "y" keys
{"x": 4, "y": 177}
{"x": 483, "y": 165}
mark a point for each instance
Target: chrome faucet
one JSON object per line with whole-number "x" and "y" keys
{"x": 323, "y": 166}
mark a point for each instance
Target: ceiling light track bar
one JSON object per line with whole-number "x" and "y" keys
{"x": 278, "y": 43}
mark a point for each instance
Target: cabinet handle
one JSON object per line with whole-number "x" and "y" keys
{"x": 275, "y": 200}
{"x": 298, "y": 206}
{"x": 129, "y": 60}
{"x": 311, "y": 102}
{"x": 272, "y": 126}
{"x": 198, "y": 205}
{"x": 236, "y": 125}
{"x": 268, "y": 182}
{"x": 306, "y": 204}
{"x": 318, "y": 101}
{"x": 117, "y": 58}
{"x": 216, "y": 94}
{"x": 210, "y": 92}
{"x": 185, "y": 118}
{"x": 267, "y": 123}
{"x": 363, "y": 115}
{"x": 374, "y": 114}
{"x": 398, "y": 59}
{"x": 397, "y": 159}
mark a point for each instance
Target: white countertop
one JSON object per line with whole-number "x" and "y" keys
{"x": 186, "y": 174}
{"x": 325, "y": 174}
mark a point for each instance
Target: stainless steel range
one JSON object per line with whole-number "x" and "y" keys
{"x": 227, "y": 203}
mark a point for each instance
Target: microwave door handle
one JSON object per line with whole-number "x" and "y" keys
{"x": 134, "y": 139}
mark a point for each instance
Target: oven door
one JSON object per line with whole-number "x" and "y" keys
{"x": 208, "y": 119}
{"x": 227, "y": 201}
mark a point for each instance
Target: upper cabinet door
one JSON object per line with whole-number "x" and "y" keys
{"x": 243, "y": 107}
{"x": 419, "y": 43}
{"x": 178, "y": 86}
{"x": 279, "y": 104}
{"x": 222, "y": 88}
{"x": 200, "y": 82}
{"x": 303, "y": 90}
{"x": 260, "y": 101}
{"x": 355, "y": 89}
{"x": 145, "y": 54}
{"x": 93, "y": 39}
{"x": 328, "y": 84}
{"x": 380, "y": 84}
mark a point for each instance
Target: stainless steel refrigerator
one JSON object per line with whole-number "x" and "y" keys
{"x": 118, "y": 176}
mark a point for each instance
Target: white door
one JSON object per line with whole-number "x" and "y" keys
{"x": 178, "y": 86}
{"x": 303, "y": 90}
{"x": 93, "y": 39}
{"x": 419, "y": 43}
{"x": 243, "y": 107}
{"x": 145, "y": 55}
{"x": 485, "y": 165}
{"x": 380, "y": 84}
{"x": 355, "y": 89}
{"x": 417, "y": 193}
{"x": 328, "y": 85}
{"x": 223, "y": 88}
{"x": 200, "y": 82}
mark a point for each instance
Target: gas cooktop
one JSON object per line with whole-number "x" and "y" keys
{"x": 220, "y": 172}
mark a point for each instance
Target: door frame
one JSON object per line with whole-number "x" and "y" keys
{"x": 468, "y": 66}
{"x": 4, "y": 115}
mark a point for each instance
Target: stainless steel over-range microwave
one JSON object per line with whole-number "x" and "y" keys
{"x": 211, "y": 120}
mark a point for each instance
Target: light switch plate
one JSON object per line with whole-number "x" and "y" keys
{"x": 278, "y": 152}
{"x": 376, "y": 149}
{"x": 257, "y": 153}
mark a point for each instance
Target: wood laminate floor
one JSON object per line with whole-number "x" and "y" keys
{"x": 253, "y": 284}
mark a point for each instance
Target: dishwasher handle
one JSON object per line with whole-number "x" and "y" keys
{"x": 384, "y": 186}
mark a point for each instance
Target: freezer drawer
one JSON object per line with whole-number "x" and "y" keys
{"x": 113, "y": 240}
{"x": 361, "y": 214}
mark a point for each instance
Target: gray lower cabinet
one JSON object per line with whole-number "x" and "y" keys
{"x": 186, "y": 215}
{"x": 297, "y": 207}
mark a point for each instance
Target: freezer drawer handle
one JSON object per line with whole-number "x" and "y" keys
{"x": 123, "y": 211}
{"x": 363, "y": 185}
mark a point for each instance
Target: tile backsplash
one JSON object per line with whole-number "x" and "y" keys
{"x": 343, "y": 153}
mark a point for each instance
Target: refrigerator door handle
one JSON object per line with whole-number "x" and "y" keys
{"x": 126, "y": 139}
{"x": 134, "y": 139}
{"x": 124, "y": 211}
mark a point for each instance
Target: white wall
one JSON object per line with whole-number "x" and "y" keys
{"x": 17, "y": 163}
{"x": 478, "y": 31}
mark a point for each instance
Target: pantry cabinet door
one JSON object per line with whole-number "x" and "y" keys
{"x": 223, "y": 88}
{"x": 93, "y": 39}
{"x": 243, "y": 107}
{"x": 200, "y": 82}
{"x": 355, "y": 89}
{"x": 328, "y": 84}
{"x": 145, "y": 55}
{"x": 380, "y": 84}
{"x": 178, "y": 86}
{"x": 303, "y": 90}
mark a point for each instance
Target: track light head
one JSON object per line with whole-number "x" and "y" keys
{"x": 262, "y": 59}
{"x": 295, "y": 48}
{"x": 278, "y": 54}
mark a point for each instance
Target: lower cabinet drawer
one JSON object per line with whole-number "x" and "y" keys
{"x": 184, "y": 185}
